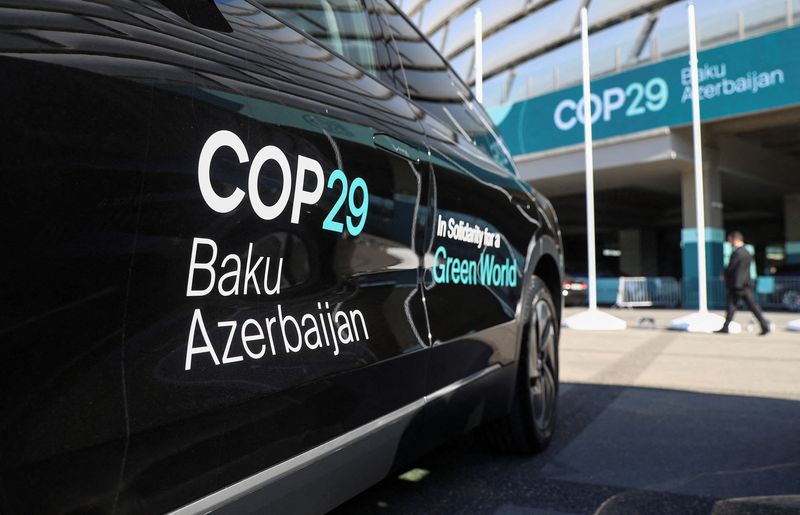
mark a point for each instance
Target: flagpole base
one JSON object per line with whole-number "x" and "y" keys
{"x": 594, "y": 320}
{"x": 702, "y": 322}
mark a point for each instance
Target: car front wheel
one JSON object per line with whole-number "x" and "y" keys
{"x": 529, "y": 427}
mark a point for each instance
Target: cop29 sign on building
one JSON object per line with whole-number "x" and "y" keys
{"x": 751, "y": 75}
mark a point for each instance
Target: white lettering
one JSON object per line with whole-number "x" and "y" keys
{"x": 191, "y": 350}
{"x": 225, "y": 358}
{"x": 216, "y": 141}
{"x": 570, "y": 122}
{"x": 613, "y": 99}
{"x": 595, "y": 108}
{"x": 269, "y": 153}
{"x": 194, "y": 265}
{"x": 302, "y": 196}
{"x": 233, "y": 274}
{"x": 247, "y": 338}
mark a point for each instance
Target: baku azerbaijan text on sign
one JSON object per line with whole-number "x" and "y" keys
{"x": 742, "y": 77}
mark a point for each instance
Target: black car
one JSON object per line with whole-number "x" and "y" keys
{"x": 258, "y": 255}
{"x": 575, "y": 290}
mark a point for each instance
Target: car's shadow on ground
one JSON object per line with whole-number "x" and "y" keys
{"x": 618, "y": 450}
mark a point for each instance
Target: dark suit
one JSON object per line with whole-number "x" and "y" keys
{"x": 740, "y": 286}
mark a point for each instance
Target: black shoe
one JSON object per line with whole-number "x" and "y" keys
{"x": 764, "y": 331}
{"x": 724, "y": 330}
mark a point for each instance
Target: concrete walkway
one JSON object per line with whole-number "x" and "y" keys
{"x": 648, "y": 355}
{"x": 663, "y": 317}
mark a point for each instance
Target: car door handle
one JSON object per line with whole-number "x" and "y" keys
{"x": 396, "y": 146}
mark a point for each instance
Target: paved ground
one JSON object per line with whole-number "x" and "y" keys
{"x": 651, "y": 421}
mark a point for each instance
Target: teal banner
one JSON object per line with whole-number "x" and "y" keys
{"x": 742, "y": 77}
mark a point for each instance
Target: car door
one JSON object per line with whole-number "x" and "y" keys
{"x": 484, "y": 218}
{"x": 68, "y": 209}
{"x": 269, "y": 272}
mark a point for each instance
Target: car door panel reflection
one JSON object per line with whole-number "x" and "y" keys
{"x": 345, "y": 308}
{"x": 119, "y": 162}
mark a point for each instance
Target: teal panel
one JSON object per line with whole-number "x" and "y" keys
{"x": 715, "y": 258}
{"x": 765, "y": 285}
{"x": 792, "y": 252}
{"x": 747, "y": 76}
{"x": 607, "y": 288}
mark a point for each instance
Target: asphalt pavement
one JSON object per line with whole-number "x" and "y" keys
{"x": 650, "y": 421}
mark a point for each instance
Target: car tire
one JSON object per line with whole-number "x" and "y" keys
{"x": 529, "y": 427}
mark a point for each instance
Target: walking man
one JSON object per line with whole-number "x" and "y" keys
{"x": 739, "y": 283}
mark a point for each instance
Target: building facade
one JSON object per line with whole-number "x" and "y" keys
{"x": 641, "y": 113}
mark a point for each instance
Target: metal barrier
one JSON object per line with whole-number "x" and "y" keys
{"x": 772, "y": 293}
{"x": 715, "y": 289}
{"x": 640, "y": 292}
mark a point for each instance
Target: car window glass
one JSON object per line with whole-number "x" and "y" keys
{"x": 341, "y": 25}
{"x": 433, "y": 86}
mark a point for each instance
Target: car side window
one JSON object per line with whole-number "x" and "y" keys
{"x": 341, "y": 25}
{"x": 434, "y": 86}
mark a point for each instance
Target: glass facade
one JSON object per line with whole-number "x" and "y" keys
{"x": 605, "y": 11}
{"x": 531, "y": 47}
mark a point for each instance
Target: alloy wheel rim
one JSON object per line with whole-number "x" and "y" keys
{"x": 543, "y": 365}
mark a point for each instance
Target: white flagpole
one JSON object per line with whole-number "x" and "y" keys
{"x": 699, "y": 193}
{"x": 589, "y": 160}
{"x": 702, "y": 321}
{"x": 592, "y": 319}
{"x": 479, "y": 56}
